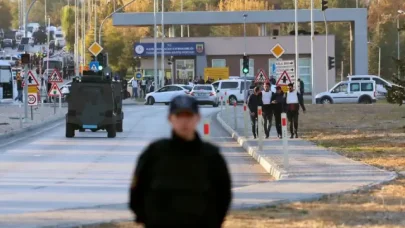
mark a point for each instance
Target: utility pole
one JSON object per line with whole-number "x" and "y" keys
{"x": 297, "y": 63}
{"x": 46, "y": 13}
{"x": 245, "y": 49}
{"x": 182, "y": 26}
{"x": 326, "y": 52}
{"x": 155, "y": 79}
{"x": 312, "y": 52}
{"x": 163, "y": 49}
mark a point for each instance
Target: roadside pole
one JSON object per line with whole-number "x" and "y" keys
{"x": 60, "y": 102}
{"x": 285, "y": 140}
{"x": 32, "y": 113}
{"x": 207, "y": 129}
{"x": 235, "y": 114}
{"x": 260, "y": 126}
{"x": 25, "y": 91}
{"x": 245, "y": 120}
{"x": 222, "y": 105}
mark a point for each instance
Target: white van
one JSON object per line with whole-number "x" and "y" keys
{"x": 344, "y": 92}
{"x": 234, "y": 88}
{"x": 5, "y": 72}
{"x": 380, "y": 83}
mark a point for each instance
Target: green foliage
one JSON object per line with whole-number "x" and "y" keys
{"x": 396, "y": 94}
{"x": 67, "y": 21}
{"x": 5, "y": 15}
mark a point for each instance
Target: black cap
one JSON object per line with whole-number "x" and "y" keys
{"x": 290, "y": 85}
{"x": 183, "y": 103}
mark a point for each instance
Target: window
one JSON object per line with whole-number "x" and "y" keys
{"x": 342, "y": 88}
{"x": 354, "y": 87}
{"x": 173, "y": 88}
{"x": 216, "y": 84}
{"x": 368, "y": 87}
{"x": 208, "y": 88}
{"x": 149, "y": 73}
{"x": 189, "y": 88}
{"x": 251, "y": 68}
{"x": 359, "y": 79}
{"x": 164, "y": 89}
{"x": 185, "y": 68}
{"x": 305, "y": 73}
{"x": 218, "y": 63}
{"x": 229, "y": 85}
{"x": 379, "y": 82}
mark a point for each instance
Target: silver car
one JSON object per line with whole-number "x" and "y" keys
{"x": 205, "y": 94}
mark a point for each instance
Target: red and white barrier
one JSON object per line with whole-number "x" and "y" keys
{"x": 285, "y": 140}
{"x": 235, "y": 115}
{"x": 245, "y": 119}
{"x": 260, "y": 126}
{"x": 207, "y": 129}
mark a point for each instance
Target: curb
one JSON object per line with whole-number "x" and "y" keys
{"x": 31, "y": 128}
{"x": 268, "y": 165}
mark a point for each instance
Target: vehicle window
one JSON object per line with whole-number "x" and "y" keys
{"x": 342, "y": 88}
{"x": 367, "y": 86}
{"x": 242, "y": 85}
{"x": 208, "y": 88}
{"x": 360, "y": 79}
{"x": 229, "y": 85}
{"x": 379, "y": 82}
{"x": 216, "y": 84}
{"x": 174, "y": 88}
{"x": 189, "y": 88}
{"x": 164, "y": 89}
{"x": 354, "y": 87}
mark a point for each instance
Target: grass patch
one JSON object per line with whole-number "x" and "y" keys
{"x": 374, "y": 134}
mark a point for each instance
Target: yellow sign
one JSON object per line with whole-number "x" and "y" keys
{"x": 95, "y": 48}
{"x": 216, "y": 73}
{"x": 32, "y": 89}
{"x": 277, "y": 51}
{"x": 284, "y": 88}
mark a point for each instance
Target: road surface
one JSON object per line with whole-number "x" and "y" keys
{"x": 46, "y": 171}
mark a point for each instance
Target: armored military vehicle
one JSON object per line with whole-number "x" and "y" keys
{"x": 95, "y": 103}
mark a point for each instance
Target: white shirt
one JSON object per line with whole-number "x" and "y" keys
{"x": 190, "y": 84}
{"x": 143, "y": 82}
{"x": 134, "y": 84}
{"x": 292, "y": 97}
{"x": 266, "y": 97}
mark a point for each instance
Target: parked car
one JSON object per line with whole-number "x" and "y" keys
{"x": 234, "y": 89}
{"x": 381, "y": 83}
{"x": 344, "y": 92}
{"x": 205, "y": 94}
{"x": 167, "y": 93}
{"x": 8, "y": 43}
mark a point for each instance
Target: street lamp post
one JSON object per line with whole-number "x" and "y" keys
{"x": 312, "y": 52}
{"x": 162, "y": 49}
{"x": 379, "y": 57}
{"x": 155, "y": 78}
{"x": 244, "y": 38}
{"x": 400, "y": 12}
{"x": 297, "y": 65}
{"x": 326, "y": 52}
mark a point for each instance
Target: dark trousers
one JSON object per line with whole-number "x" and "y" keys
{"x": 293, "y": 119}
{"x": 267, "y": 119}
{"x": 255, "y": 126}
{"x": 277, "y": 117}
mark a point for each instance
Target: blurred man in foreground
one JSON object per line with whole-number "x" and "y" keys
{"x": 181, "y": 182}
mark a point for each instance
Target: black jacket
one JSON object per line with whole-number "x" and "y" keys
{"x": 279, "y": 106}
{"x": 254, "y": 101}
{"x": 181, "y": 184}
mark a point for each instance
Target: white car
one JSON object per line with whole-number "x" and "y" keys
{"x": 234, "y": 89}
{"x": 344, "y": 92}
{"x": 381, "y": 83}
{"x": 167, "y": 93}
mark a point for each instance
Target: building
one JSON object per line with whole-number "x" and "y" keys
{"x": 190, "y": 55}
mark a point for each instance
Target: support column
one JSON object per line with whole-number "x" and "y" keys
{"x": 172, "y": 30}
{"x": 262, "y": 30}
{"x": 360, "y": 46}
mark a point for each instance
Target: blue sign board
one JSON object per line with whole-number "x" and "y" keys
{"x": 273, "y": 69}
{"x": 170, "y": 48}
{"x": 94, "y": 66}
{"x": 138, "y": 75}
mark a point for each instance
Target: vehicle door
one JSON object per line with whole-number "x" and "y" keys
{"x": 367, "y": 88}
{"x": 171, "y": 92}
{"x": 354, "y": 92}
{"x": 230, "y": 88}
{"x": 178, "y": 90}
{"x": 380, "y": 87}
{"x": 160, "y": 94}
{"x": 340, "y": 93}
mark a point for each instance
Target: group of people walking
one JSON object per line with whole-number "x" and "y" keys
{"x": 274, "y": 103}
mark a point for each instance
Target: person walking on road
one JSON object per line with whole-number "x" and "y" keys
{"x": 277, "y": 103}
{"x": 267, "y": 109}
{"x": 254, "y": 101}
{"x": 301, "y": 85}
{"x": 294, "y": 100}
{"x": 182, "y": 181}
{"x": 134, "y": 88}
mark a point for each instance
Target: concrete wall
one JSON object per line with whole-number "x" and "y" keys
{"x": 222, "y": 46}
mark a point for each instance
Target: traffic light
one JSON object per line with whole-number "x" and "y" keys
{"x": 331, "y": 62}
{"x": 324, "y": 5}
{"x": 245, "y": 64}
{"x": 101, "y": 59}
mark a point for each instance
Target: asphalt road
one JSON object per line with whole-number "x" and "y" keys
{"x": 45, "y": 171}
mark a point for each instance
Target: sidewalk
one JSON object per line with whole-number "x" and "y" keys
{"x": 313, "y": 171}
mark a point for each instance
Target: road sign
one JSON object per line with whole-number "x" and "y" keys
{"x": 95, "y": 49}
{"x": 33, "y": 89}
{"x": 288, "y": 66}
{"x": 277, "y": 51}
{"x": 138, "y": 75}
{"x": 54, "y": 91}
{"x": 94, "y": 66}
{"x": 261, "y": 76}
{"x": 284, "y": 79}
{"x": 55, "y": 76}
{"x": 32, "y": 81}
{"x": 32, "y": 99}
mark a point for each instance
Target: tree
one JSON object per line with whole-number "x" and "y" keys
{"x": 396, "y": 94}
{"x": 5, "y": 15}
{"x": 67, "y": 21}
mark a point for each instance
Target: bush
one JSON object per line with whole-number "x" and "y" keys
{"x": 396, "y": 94}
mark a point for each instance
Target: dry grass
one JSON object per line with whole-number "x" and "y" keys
{"x": 370, "y": 133}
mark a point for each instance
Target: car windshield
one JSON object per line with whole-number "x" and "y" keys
{"x": 208, "y": 88}
{"x": 189, "y": 88}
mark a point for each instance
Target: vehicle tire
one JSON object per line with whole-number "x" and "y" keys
{"x": 82, "y": 130}
{"x": 69, "y": 131}
{"x": 94, "y": 130}
{"x": 119, "y": 127}
{"x": 365, "y": 100}
{"x": 151, "y": 100}
{"x": 232, "y": 100}
{"x": 111, "y": 131}
{"x": 326, "y": 100}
